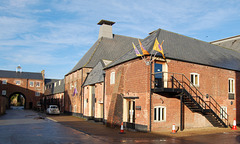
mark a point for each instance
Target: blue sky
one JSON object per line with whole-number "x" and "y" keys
{"x": 53, "y": 35}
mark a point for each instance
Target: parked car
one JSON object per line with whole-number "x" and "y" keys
{"x": 53, "y": 109}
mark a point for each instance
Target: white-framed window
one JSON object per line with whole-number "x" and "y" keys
{"x": 223, "y": 115}
{"x": 55, "y": 84}
{"x": 31, "y": 84}
{"x": 231, "y": 86}
{"x": 37, "y": 93}
{"x": 112, "y": 78}
{"x": 59, "y": 82}
{"x": 159, "y": 113}
{"x": 4, "y": 81}
{"x": 71, "y": 86}
{"x": 37, "y": 84}
{"x": 18, "y": 82}
{"x": 38, "y": 103}
{"x": 4, "y": 92}
{"x": 195, "y": 79}
{"x": 75, "y": 84}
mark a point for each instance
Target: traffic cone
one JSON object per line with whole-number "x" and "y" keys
{"x": 234, "y": 124}
{"x": 173, "y": 129}
{"x": 122, "y": 130}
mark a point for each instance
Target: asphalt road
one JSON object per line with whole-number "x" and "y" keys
{"x": 20, "y": 126}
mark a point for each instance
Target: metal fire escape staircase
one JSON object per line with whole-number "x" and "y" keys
{"x": 179, "y": 86}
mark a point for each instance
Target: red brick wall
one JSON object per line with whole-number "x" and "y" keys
{"x": 135, "y": 82}
{"x": 212, "y": 81}
{"x": 24, "y": 88}
{"x": 77, "y": 77}
{"x": 2, "y": 105}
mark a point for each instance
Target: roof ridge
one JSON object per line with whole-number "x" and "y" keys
{"x": 128, "y": 36}
{"x": 21, "y": 72}
{"x": 93, "y": 52}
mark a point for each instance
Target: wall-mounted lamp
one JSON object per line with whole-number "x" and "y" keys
{"x": 231, "y": 102}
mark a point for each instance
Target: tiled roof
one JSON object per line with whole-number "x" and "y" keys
{"x": 187, "y": 49}
{"x": 54, "y": 89}
{"x": 231, "y": 43}
{"x": 105, "y": 48}
{"x": 20, "y": 75}
{"x": 96, "y": 75}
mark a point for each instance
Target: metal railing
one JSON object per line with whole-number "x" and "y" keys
{"x": 180, "y": 81}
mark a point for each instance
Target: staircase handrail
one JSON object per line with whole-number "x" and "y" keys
{"x": 222, "y": 117}
{"x": 190, "y": 85}
{"x": 223, "y": 111}
{"x": 203, "y": 106}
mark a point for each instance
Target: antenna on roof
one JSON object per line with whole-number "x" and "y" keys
{"x": 18, "y": 69}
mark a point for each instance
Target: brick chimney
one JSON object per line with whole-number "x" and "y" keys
{"x": 43, "y": 74}
{"x": 105, "y": 29}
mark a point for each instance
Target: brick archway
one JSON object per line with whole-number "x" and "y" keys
{"x": 9, "y": 99}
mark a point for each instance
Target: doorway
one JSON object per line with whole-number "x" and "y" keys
{"x": 131, "y": 114}
{"x": 158, "y": 75}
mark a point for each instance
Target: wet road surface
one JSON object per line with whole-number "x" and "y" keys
{"x": 20, "y": 126}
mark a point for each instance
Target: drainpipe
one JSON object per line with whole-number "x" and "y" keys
{"x": 150, "y": 118}
{"x": 104, "y": 75}
{"x": 181, "y": 109}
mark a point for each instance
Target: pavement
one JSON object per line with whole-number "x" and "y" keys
{"x": 98, "y": 129}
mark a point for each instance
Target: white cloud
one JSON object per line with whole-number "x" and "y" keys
{"x": 42, "y": 11}
{"x": 59, "y": 32}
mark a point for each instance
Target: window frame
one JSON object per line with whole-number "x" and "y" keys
{"x": 231, "y": 87}
{"x": 225, "y": 114}
{"x": 32, "y": 83}
{"x": 4, "y": 82}
{"x": 38, "y": 103}
{"x": 37, "y": 84}
{"x": 37, "y": 93}
{"x": 194, "y": 82}
{"x": 17, "y": 82}
{"x": 156, "y": 113}
{"x": 112, "y": 78}
{"x": 4, "y": 92}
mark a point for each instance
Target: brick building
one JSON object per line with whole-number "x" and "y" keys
{"x": 107, "y": 48}
{"x": 54, "y": 93}
{"x": 28, "y": 84}
{"x": 194, "y": 86}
